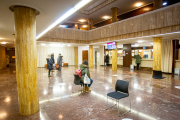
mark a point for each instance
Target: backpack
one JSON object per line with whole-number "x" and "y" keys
{"x": 78, "y": 72}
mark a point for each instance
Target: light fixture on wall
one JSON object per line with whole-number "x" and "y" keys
{"x": 164, "y": 3}
{"x": 140, "y": 41}
{"x": 138, "y": 4}
{"x": 65, "y": 16}
{"x": 84, "y": 26}
{"x": 3, "y": 43}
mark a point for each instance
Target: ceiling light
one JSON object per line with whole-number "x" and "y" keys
{"x": 82, "y": 20}
{"x": 56, "y": 45}
{"x": 65, "y": 16}
{"x": 84, "y": 26}
{"x": 43, "y": 44}
{"x": 138, "y": 4}
{"x": 68, "y": 45}
{"x": 165, "y": 3}
{"x": 106, "y": 17}
{"x": 3, "y": 42}
{"x": 152, "y": 43}
{"x": 140, "y": 41}
{"x": 63, "y": 26}
{"x": 87, "y": 46}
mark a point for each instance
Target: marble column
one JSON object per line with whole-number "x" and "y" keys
{"x": 76, "y": 25}
{"x": 90, "y": 56}
{"x": 158, "y": 4}
{"x": 157, "y": 53}
{"x": 2, "y": 57}
{"x": 90, "y": 24}
{"x": 114, "y": 14}
{"x": 76, "y": 55}
{"x": 26, "y": 60}
{"x": 114, "y": 58}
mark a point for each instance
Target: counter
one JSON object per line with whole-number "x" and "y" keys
{"x": 119, "y": 61}
{"x": 177, "y": 64}
{"x": 144, "y": 62}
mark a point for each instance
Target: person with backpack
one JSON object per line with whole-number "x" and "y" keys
{"x": 85, "y": 71}
{"x": 138, "y": 61}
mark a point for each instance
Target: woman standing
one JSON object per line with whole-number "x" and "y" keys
{"x": 59, "y": 61}
{"x": 49, "y": 65}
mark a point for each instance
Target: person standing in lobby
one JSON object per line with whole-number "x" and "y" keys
{"x": 107, "y": 59}
{"x": 49, "y": 65}
{"x": 138, "y": 61}
{"x": 59, "y": 61}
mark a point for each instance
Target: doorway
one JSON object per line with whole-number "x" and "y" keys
{"x": 85, "y": 55}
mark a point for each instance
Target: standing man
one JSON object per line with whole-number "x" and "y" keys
{"x": 59, "y": 61}
{"x": 107, "y": 60}
{"x": 52, "y": 59}
{"x": 138, "y": 61}
{"x": 49, "y": 65}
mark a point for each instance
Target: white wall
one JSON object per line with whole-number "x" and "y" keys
{"x": 66, "y": 52}
{"x": 101, "y": 61}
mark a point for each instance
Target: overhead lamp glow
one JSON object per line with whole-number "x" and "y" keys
{"x": 165, "y": 3}
{"x": 3, "y": 42}
{"x": 82, "y": 20}
{"x": 68, "y": 45}
{"x": 138, "y": 4}
{"x": 106, "y": 17}
{"x": 140, "y": 41}
{"x": 84, "y": 26}
{"x": 152, "y": 43}
{"x": 65, "y": 16}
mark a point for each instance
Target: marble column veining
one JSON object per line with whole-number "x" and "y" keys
{"x": 26, "y": 60}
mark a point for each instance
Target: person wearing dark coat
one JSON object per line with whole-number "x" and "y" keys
{"x": 59, "y": 61}
{"x": 49, "y": 65}
{"x": 52, "y": 58}
{"x": 107, "y": 59}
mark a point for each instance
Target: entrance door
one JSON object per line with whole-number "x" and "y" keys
{"x": 85, "y": 55}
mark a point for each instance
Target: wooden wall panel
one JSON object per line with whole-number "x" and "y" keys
{"x": 2, "y": 57}
{"x": 127, "y": 57}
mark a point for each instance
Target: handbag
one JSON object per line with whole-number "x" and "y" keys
{"x": 86, "y": 79}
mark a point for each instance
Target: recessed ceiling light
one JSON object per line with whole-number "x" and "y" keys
{"x": 152, "y": 43}
{"x": 3, "y": 42}
{"x": 140, "y": 41}
{"x": 106, "y": 17}
{"x": 43, "y": 44}
{"x": 65, "y": 16}
{"x": 68, "y": 45}
{"x": 82, "y": 20}
{"x": 87, "y": 46}
{"x": 138, "y": 4}
{"x": 165, "y": 3}
{"x": 84, "y": 26}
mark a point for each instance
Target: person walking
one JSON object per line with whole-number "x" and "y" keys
{"x": 85, "y": 70}
{"x": 49, "y": 65}
{"x": 138, "y": 61}
{"x": 59, "y": 61}
{"x": 107, "y": 59}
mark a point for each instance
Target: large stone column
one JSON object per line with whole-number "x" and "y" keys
{"x": 76, "y": 25}
{"x": 157, "y": 53}
{"x": 90, "y": 56}
{"x": 90, "y": 24}
{"x": 158, "y": 4}
{"x": 26, "y": 60}
{"x": 114, "y": 58}
{"x": 76, "y": 55}
{"x": 114, "y": 14}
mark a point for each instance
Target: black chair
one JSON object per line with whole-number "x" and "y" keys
{"x": 77, "y": 81}
{"x": 121, "y": 92}
{"x": 158, "y": 75}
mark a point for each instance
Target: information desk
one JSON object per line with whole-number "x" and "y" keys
{"x": 177, "y": 64}
{"x": 144, "y": 63}
{"x": 119, "y": 61}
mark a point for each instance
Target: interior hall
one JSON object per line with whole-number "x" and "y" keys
{"x": 89, "y": 59}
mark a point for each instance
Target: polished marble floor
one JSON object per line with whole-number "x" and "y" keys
{"x": 57, "y": 102}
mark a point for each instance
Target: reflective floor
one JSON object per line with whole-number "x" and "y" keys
{"x": 149, "y": 101}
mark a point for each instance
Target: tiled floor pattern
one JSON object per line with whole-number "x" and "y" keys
{"x": 57, "y": 102}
